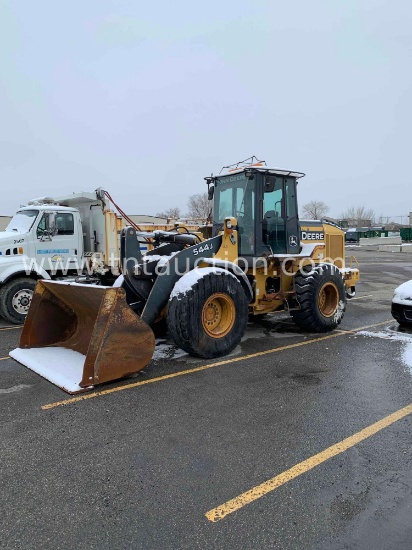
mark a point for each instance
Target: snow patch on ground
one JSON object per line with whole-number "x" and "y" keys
{"x": 396, "y": 336}
{"x": 167, "y": 351}
{"x": 19, "y": 387}
{"x": 407, "y": 357}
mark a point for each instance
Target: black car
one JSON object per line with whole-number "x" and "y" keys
{"x": 402, "y": 304}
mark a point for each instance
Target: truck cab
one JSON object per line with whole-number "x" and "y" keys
{"x": 55, "y": 237}
{"x": 44, "y": 238}
{"x": 48, "y": 235}
{"x": 40, "y": 241}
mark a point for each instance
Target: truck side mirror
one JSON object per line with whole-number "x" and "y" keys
{"x": 51, "y": 226}
{"x": 270, "y": 181}
{"x": 210, "y": 192}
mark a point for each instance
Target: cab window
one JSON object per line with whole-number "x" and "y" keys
{"x": 41, "y": 228}
{"x": 65, "y": 223}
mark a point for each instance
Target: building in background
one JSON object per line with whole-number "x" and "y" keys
{"x": 355, "y": 222}
{"x": 4, "y": 222}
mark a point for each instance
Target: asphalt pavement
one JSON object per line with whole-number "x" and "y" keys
{"x": 293, "y": 441}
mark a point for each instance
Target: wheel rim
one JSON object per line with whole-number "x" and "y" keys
{"x": 21, "y": 301}
{"x": 328, "y": 300}
{"x": 218, "y": 315}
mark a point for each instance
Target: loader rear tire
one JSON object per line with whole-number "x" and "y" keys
{"x": 322, "y": 299}
{"x": 15, "y": 299}
{"x": 210, "y": 319}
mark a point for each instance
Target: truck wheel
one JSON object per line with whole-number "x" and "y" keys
{"x": 322, "y": 299}
{"x": 210, "y": 319}
{"x": 15, "y": 299}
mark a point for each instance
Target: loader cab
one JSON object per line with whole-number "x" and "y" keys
{"x": 263, "y": 200}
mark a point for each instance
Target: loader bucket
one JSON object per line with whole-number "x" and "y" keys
{"x": 78, "y": 336}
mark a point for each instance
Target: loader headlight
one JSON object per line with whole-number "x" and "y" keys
{"x": 228, "y": 227}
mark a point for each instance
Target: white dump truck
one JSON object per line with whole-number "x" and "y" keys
{"x": 56, "y": 238}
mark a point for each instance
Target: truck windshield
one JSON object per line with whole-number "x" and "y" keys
{"x": 22, "y": 221}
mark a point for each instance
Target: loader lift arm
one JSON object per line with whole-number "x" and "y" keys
{"x": 150, "y": 285}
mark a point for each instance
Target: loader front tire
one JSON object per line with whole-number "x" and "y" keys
{"x": 15, "y": 299}
{"x": 210, "y": 319}
{"x": 322, "y": 299}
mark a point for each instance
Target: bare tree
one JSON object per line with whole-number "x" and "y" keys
{"x": 359, "y": 214}
{"x": 170, "y": 213}
{"x": 315, "y": 209}
{"x": 199, "y": 206}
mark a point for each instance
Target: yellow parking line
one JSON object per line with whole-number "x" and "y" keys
{"x": 220, "y": 512}
{"x": 11, "y": 328}
{"x": 91, "y": 395}
{"x": 3, "y": 358}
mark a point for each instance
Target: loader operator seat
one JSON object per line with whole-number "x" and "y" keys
{"x": 274, "y": 232}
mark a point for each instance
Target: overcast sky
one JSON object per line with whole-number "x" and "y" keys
{"x": 147, "y": 98}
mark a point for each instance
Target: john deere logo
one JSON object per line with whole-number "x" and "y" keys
{"x": 293, "y": 240}
{"x": 313, "y": 235}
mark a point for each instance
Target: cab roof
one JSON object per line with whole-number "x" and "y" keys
{"x": 262, "y": 169}
{"x": 48, "y": 207}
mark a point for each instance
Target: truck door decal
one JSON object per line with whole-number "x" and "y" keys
{"x": 53, "y": 251}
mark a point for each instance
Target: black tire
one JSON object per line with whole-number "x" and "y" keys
{"x": 15, "y": 299}
{"x": 322, "y": 298}
{"x": 210, "y": 319}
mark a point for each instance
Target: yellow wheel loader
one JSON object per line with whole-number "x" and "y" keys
{"x": 257, "y": 259}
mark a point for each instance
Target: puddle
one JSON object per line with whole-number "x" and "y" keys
{"x": 398, "y": 334}
{"x": 307, "y": 379}
{"x": 269, "y": 327}
{"x": 400, "y": 330}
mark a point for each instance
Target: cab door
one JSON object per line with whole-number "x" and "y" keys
{"x": 57, "y": 246}
{"x": 292, "y": 218}
{"x": 274, "y": 218}
{"x": 280, "y": 223}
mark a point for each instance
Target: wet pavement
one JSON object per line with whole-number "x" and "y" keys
{"x": 142, "y": 466}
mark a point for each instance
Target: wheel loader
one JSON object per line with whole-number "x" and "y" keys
{"x": 257, "y": 259}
